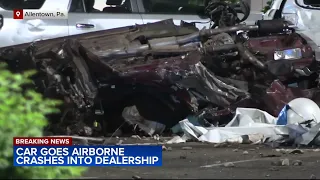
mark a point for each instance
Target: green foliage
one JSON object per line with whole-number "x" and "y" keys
{"x": 268, "y": 6}
{"x": 23, "y": 113}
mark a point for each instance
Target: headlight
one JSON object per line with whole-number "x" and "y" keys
{"x": 289, "y": 54}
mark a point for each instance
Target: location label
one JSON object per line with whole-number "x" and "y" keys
{"x": 18, "y": 14}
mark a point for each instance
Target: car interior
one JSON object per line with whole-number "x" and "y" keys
{"x": 315, "y": 3}
{"x": 21, "y": 4}
{"x": 112, "y": 6}
{"x": 174, "y": 7}
{"x": 117, "y": 6}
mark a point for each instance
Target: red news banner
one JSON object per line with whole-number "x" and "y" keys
{"x": 42, "y": 141}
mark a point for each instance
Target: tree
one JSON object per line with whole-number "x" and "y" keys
{"x": 268, "y": 6}
{"x": 23, "y": 113}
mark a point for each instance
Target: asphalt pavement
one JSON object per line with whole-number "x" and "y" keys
{"x": 200, "y": 160}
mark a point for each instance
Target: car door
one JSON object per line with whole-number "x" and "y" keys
{"x": 89, "y": 15}
{"x": 156, "y": 10}
{"x": 20, "y": 31}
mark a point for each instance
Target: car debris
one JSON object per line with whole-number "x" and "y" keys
{"x": 297, "y": 163}
{"x": 131, "y": 116}
{"x": 300, "y": 125}
{"x": 229, "y": 164}
{"x": 158, "y": 75}
{"x": 285, "y": 162}
{"x": 296, "y": 151}
{"x": 313, "y": 176}
{"x": 186, "y": 148}
{"x": 274, "y": 169}
{"x": 245, "y": 152}
{"x": 136, "y": 177}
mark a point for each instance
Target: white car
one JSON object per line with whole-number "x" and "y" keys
{"x": 94, "y": 15}
{"x": 303, "y": 14}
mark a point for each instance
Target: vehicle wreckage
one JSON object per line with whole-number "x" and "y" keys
{"x": 161, "y": 72}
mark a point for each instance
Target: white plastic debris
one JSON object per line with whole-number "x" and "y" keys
{"x": 256, "y": 126}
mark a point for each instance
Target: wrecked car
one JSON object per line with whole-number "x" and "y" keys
{"x": 83, "y": 16}
{"x": 160, "y": 73}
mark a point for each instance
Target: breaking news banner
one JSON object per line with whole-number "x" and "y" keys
{"x": 39, "y": 14}
{"x": 59, "y": 151}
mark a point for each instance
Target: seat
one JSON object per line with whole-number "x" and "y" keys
{"x": 76, "y": 6}
{"x": 117, "y": 8}
{"x": 89, "y": 6}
